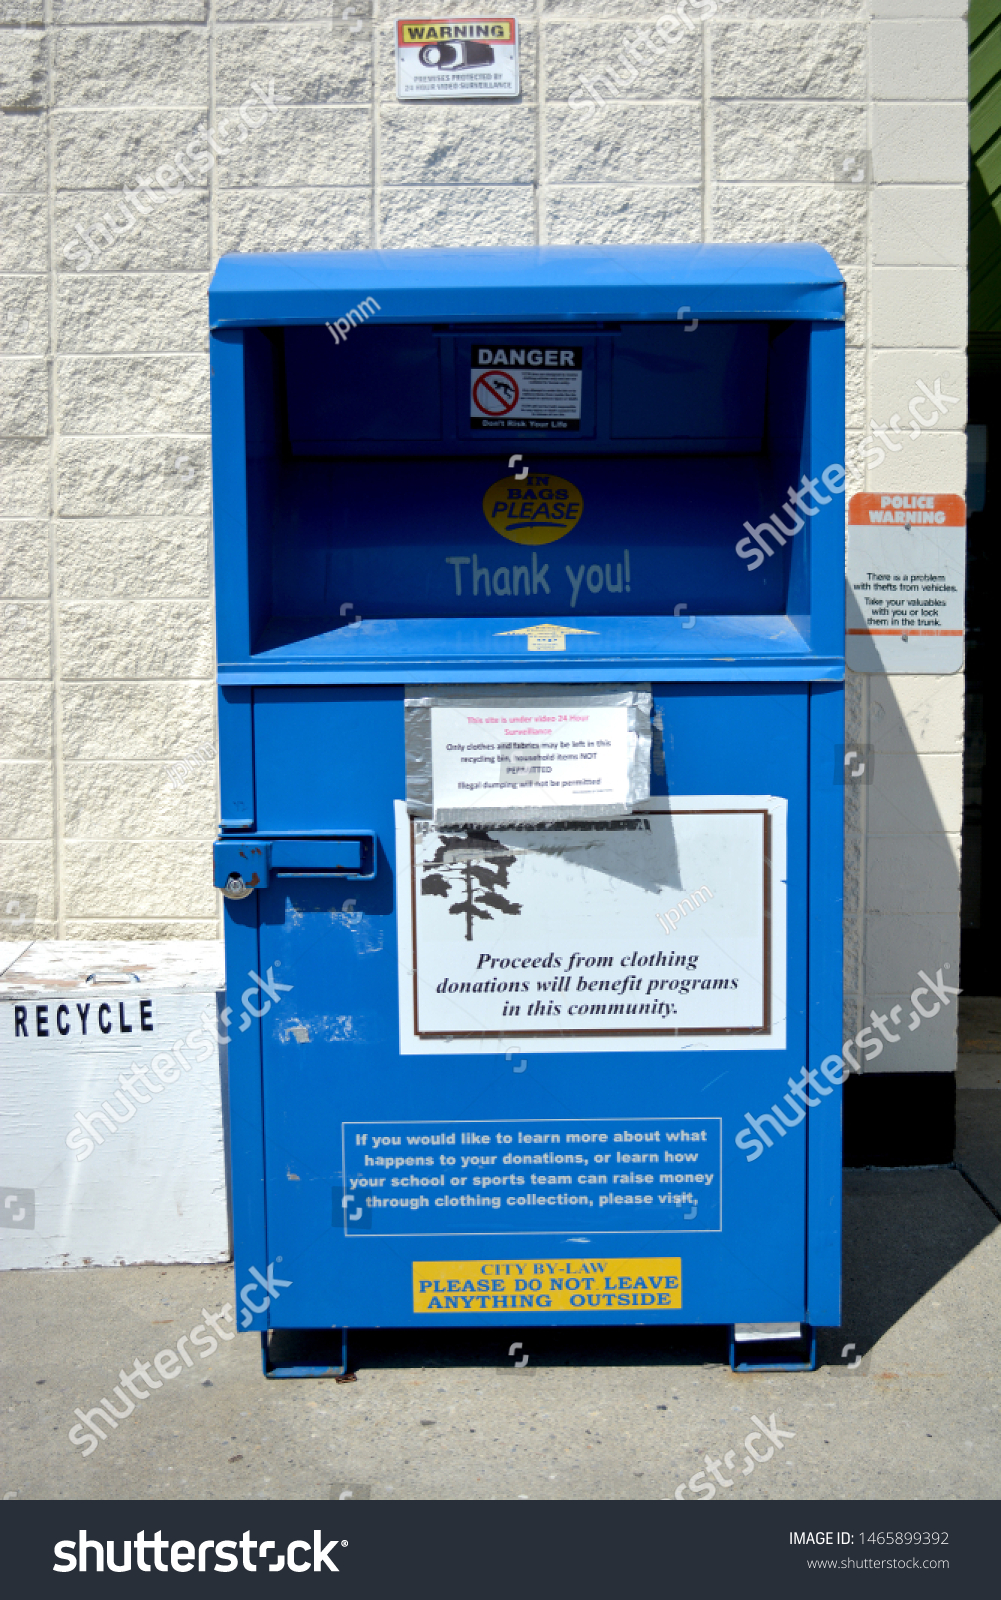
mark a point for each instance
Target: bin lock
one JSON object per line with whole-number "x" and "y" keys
{"x": 243, "y": 865}
{"x": 235, "y": 889}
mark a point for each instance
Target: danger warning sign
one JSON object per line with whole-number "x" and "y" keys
{"x": 528, "y": 387}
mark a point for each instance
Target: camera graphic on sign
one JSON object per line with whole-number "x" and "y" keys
{"x": 454, "y": 57}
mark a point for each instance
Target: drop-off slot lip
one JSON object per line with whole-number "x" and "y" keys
{"x": 763, "y": 647}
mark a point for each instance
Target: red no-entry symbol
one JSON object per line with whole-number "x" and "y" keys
{"x": 495, "y": 393}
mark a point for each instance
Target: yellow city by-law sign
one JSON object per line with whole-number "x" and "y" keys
{"x": 609, "y": 1284}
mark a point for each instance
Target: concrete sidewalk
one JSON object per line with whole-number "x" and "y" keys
{"x": 597, "y": 1414}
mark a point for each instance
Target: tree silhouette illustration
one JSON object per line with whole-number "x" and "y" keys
{"x": 478, "y": 869}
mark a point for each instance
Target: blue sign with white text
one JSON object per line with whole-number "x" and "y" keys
{"x": 649, "y": 1175}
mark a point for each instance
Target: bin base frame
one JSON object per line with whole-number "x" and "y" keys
{"x": 768, "y": 1364}
{"x": 277, "y": 1368}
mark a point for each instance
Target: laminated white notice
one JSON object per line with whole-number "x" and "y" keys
{"x": 477, "y": 755}
{"x": 529, "y": 758}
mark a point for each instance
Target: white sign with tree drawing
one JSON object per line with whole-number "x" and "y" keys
{"x": 663, "y": 930}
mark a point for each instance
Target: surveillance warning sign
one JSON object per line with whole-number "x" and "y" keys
{"x": 526, "y": 387}
{"x": 442, "y": 58}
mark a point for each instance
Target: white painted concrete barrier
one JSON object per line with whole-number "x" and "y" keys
{"x": 112, "y": 1104}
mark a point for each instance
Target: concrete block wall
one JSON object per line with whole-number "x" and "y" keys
{"x": 903, "y": 829}
{"x": 731, "y": 122}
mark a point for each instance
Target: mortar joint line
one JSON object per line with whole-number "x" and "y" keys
{"x": 55, "y": 664}
{"x": 541, "y": 127}
{"x": 213, "y": 173}
{"x": 376, "y": 146}
{"x": 706, "y": 131}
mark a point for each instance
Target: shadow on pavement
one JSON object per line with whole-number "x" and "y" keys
{"x": 545, "y": 1347}
{"x": 903, "y": 1232}
{"x": 978, "y": 1139}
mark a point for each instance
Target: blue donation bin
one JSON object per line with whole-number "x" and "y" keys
{"x": 530, "y": 628}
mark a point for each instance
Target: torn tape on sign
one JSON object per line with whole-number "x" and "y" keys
{"x": 526, "y": 753}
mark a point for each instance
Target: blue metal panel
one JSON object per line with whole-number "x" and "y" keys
{"x": 429, "y": 566}
{"x": 659, "y": 388}
{"x": 556, "y": 282}
{"x": 385, "y": 386}
{"x": 245, "y": 1107}
{"x": 719, "y": 382}
{"x": 236, "y": 758}
{"x": 229, "y": 486}
{"x": 826, "y": 417}
{"x": 827, "y": 722}
{"x": 331, "y": 1049}
{"x": 298, "y": 794}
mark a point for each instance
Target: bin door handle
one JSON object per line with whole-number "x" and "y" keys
{"x": 243, "y": 865}
{"x": 247, "y": 864}
{"x": 342, "y": 855}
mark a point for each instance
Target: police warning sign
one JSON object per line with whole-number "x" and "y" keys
{"x": 526, "y": 387}
{"x": 905, "y": 563}
{"x": 456, "y": 57}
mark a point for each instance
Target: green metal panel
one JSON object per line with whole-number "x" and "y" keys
{"x": 983, "y": 49}
{"x": 985, "y": 165}
{"x": 983, "y": 13}
{"x": 985, "y": 117}
{"x": 989, "y": 168}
